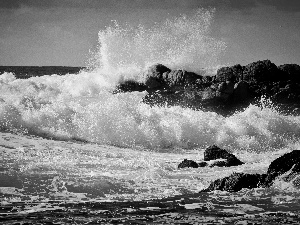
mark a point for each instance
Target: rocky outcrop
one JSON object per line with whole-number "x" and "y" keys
{"x": 154, "y": 76}
{"x": 214, "y": 152}
{"x": 231, "y": 89}
{"x": 289, "y": 162}
{"x": 286, "y": 166}
{"x": 241, "y": 92}
{"x": 290, "y": 72}
{"x": 236, "y": 182}
{"x": 180, "y": 78}
{"x": 213, "y": 156}
{"x": 261, "y": 71}
{"x": 232, "y": 74}
{"x": 188, "y": 163}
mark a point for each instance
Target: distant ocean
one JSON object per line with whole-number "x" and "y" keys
{"x": 72, "y": 152}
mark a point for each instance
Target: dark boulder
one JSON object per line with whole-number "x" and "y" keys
{"x": 241, "y": 92}
{"x": 287, "y": 162}
{"x": 225, "y": 90}
{"x": 129, "y": 86}
{"x": 261, "y": 71}
{"x": 290, "y": 72}
{"x": 154, "y": 76}
{"x": 233, "y": 73}
{"x": 188, "y": 163}
{"x": 213, "y": 152}
{"x": 202, "y": 164}
{"x": 236, "y": 182}
{"x": 180, "y": 78}
{"x": 290, "y": 93}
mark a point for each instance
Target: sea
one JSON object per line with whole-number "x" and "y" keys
{"x": 72, "y": 151}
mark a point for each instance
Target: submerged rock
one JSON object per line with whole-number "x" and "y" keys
{"x": 214, "y": 152}
{"x": 236, "y": 182}
{"x": 187, "y": 163}
{"x": 289, "y": 162}
{"x": 286, "y": 166}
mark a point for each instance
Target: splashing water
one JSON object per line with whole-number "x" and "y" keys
{"x": 183, "y": 42}
{"x": 82, "y": 106}
{"x": 151, "y": 140}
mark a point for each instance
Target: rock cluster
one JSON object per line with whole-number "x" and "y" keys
{"x": 287, "y": 165}
{"x": 230, "y": 89}
{"x": 213, "y": 156}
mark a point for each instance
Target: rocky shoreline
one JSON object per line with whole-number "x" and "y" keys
{"x": 231, "y": 89}
{"x": 286, "y": 167}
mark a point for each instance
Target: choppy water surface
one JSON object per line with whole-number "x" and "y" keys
{"x": 73, "y": 152}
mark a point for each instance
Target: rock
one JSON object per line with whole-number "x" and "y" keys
{"x": 129, "y": 86}
{"x": 290, "y": 72}
{"x": 233, "y": 73}
{"x": 287, "y": 162}
{"x": 213, "y": 152}
{"x": 225, "y": 90}
{"x": 261, "y": 71}
{"x": 289, "y": 93}
{"x": 241, "y": 92}
{"x": 180, "y": 78}
{"x": 236, "y": 182}
{"x": 188, "y": 163}
{"x": 154, "y": 76}
{"x": 202, "y": 164}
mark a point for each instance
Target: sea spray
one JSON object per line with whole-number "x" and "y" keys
{"x": 180, "y": 43}
{"x": 83, "y": 107}
{"x": 58, "y": 107}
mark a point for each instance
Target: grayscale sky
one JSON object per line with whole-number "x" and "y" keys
{"x": 61, "y": 32}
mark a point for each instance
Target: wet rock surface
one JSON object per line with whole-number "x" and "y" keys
{"x": 287, "y": 165}
{"x": 214, "y": 152}
{"x": 289, "y": 162}
{"x": 232, "y": 88}
{"x": 236, "y": 182}
{"x": 213, "y": 156}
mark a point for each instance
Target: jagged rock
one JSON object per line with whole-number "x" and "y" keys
{"x": 154, "y": 76}
{"x": 290, "y": 72}
{"x": 236, "y": 182}
{"x": 233, "y": 73}
{"x": 180, "y": 78}
{"x": 214, "y": 152}
{"x": 187, "y": 163}
{"x": 261, "y": 71}
{"x": 287, "y": 162}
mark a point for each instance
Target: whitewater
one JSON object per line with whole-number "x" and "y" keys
{"x": 71, "y": 140}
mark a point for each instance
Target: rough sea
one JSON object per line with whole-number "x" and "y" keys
{"x": 72, "y": 152}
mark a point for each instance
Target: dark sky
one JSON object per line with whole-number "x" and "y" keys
{"x": 61, "y": 32}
